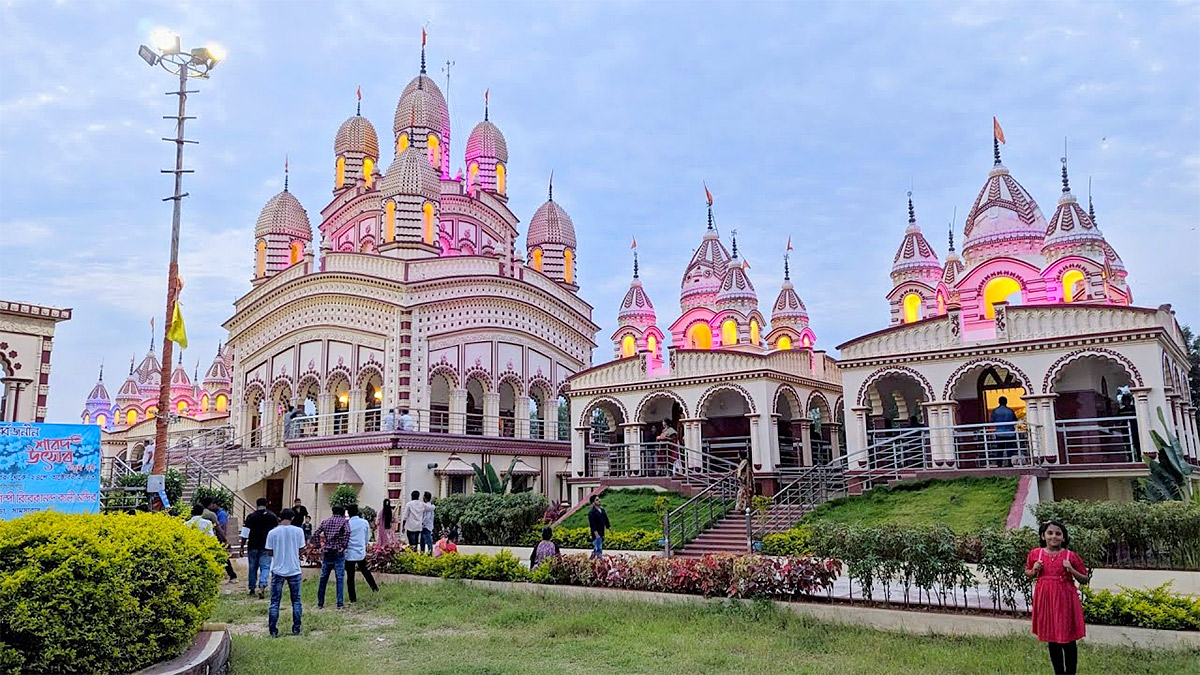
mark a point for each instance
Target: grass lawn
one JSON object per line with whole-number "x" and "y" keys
{"x": 965, "y": 504}
{"x": 629, "y": 509}
{"x": 449, "y": 627}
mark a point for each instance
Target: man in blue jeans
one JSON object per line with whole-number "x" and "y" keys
{"x": 597, "y": 523}
{"x": 333, "y": 536}
{"x": 283, "y": 545}
{"x": 258, "y": 561}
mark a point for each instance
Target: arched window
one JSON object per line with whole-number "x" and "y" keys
{"x": 204, "y": 403}
{"x": 501, "y": 178}
{"x": 652, "y": 344}
{"x": 181, "y": 407}
{"x": 537, "y": 259}
{"x": 784, "y": 343}
{"x": 151, "y": 413}
{"x": 941, "y": 302}
{"x": 341, "y": 171}
{"x": 435, "y": 151}
{"x": 472, "y": 177}
{"x": 807, "y": 342}
{"x": 699, "y": 336}
{"x": 87, "y": 418}
{"x": 101, "y": 421}
{"x": 754, "y": 331}
{"x": 222, "y": 403}
{"x": 427, "y": 222}
{"x": 729, "y": 332}
{"x": 389, "y": 221}
{"x": 569, "y": 266}
{"x": 131, "y": 417}
{"x": 912, "y": 308}
{"x": 369, "y": 171}
{"x": 999, "y": 289}
{"x": 260, "y": 259}
{"x": 297, "y": 251}
{"x": 401, "y": 143}
{"x": 628, "y": 346}
{"x": 1070, "y": 281}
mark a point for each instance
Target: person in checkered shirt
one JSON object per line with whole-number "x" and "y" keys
{"x": 332, "y": 537}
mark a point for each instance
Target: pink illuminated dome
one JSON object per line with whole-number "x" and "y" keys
{"x": 703, "y": 275}
{"x": 1004, "y": 220}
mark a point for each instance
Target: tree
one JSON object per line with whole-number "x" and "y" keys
{"x": 1193, "y": 349}
{"x": 1169, "y": 471}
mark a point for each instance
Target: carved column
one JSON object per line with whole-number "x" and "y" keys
{"x": 856, "y": 450}
{"x": 1191, "y": 426}
{"x": 358, "y": 409}
{"x": 773, "y": 438}
{"x": 692, "y": 441}
{"x": 632, "y": 434}
{"x": 458, "y": 411}
{"x": 760, "y": 446}
{"x": 1141, "y": 404}
{"x": 579, "y": 451}
{"x": 1039, "y": 411}
{"x": 806, "y": 455}
{"x": 521, "y": 428}
{"x": 325, "y": 413}
{"x": 491, "y": 414}
{"x": 835, "y": 440}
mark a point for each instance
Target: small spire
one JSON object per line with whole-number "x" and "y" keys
{"x": 1091, "y": 211}
{"x": 131, "y": 365}
{"x": 912, "y": 215}
{"x": 733, "y": 233}
{"x": 359, "y": 111}
{"x": 218, "y": 347}
{"x": 285, "y": 173}
{"x": 180, "y": 357}
{"x": 102, "y": 371}
{"x": 196, "y": 371}
{"x": 1065, "y": 182}
{"x": 787, "y": 273}
{"x": 951, "y": 228}
{"x": 551, "y": 189}
{"x": 635, "y": 264}
{"x": 424, "y": 35}
{"x": 485, "y": 104}
{"x": 996, "y": 150}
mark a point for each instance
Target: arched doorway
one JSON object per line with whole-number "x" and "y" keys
{"x": 539, "y": 400}
{"x": 439, "y": 403}
{"x": 508, "y": 409}
{"x": 281, "y": 400}
{"x": 309, "y": 393}
{"x": 788, "y": 418}
{"x": 339, "y": 388}
{"x": 255, "y": 409}
{"x": 820, "y": 429}
{"x": 895, "y": 425}
{"x": 725, "y": 431}
{"x": 373, "y": 403}
{"x": 1095, "y": 418}
{"x": 564, "y": 418}
{"x": 475, "y": 394}
{"x": 604, "y": 419}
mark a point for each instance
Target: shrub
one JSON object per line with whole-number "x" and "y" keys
{"x": 490, "y": 519}
{"x": 1165, "y": 534}
{"x": 102, "y": 593}
{"x": 581, "y": 537}
{"x": 1148, "y": 608}
{"x": 344, "y": 496}
{"x": 503, "y": 566}
{"x": 792, "y": 542}
{"x": 221, "y": 496}
{"x": 368, "y": 514}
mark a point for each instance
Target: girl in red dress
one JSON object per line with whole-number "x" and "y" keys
{"x": 1057, "y": 610}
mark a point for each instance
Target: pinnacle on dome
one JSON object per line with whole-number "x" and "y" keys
{"x": 636, "y": 308}
{"x": 1071, "y": 230}
{"x": 789, "y": 309}
{"x": 915, "y": 259}
{"x": 1004, "y": 220}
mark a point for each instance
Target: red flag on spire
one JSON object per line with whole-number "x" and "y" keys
{"x": 360, "y": 92}
{"x": 151, "y": 323}
{"x": 707, "y": 194}
{"x": 423, "y": 36}
{"x": 285, "y": 163}
{"x": 634, "y": 244}
{"x": 789, "y": 244}
{"x": 997, "y": 131}
{"x": 485, "y": 94}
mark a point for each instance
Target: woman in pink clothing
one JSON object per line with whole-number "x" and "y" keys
{"x": 1057, "y": 610}
{"x": 384, "y": 524}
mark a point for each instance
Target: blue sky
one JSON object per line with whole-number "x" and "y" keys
{"x": 806, "y": 119}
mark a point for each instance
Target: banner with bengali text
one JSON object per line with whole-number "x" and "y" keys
{"x": 49, "y": 467}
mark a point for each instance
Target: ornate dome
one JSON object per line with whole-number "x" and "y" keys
{"x": 915, "y": 257}
{"x": 149, "y": 371}
{"x": 179, "y": 376}
{"x": 411, "y": 174}
{"x": 1072, "y": 228}
{"x": 953, "y": 268}
{"x": 550, "y": 225}
{"x": 486, "y": 141}
{"x": 284, "y": 215}
{"x": 636, "y": 308}
{"x": 356, "y": 135}
{"x": 424, "y": 107}
{"x": 789, "y": 309}
{"x": 1003, "y": 213}
{"x": 218, "y": 370}
{"x": 129, "y": 393}
{"x": 99, "y": 393}
{"x": 703, "y": 275}
{"x": 736, "y": 291}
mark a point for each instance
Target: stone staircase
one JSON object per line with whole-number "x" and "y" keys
{"x": 729, "y": 534}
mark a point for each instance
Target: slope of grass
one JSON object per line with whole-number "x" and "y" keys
{"x": 965, "y": 504}
{"x": 629, "y": 509}
{"x": 449, "y": 627}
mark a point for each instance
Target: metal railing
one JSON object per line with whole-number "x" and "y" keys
{"x": 655, "y": 459}
{"x": 470, "y": 423}
{"x": 197, "y": 475}
{"x": 1098, "y": 440}
{"x": 112, "y": 470}
{"x": 699, "y": 513}
{"x": 728, "y": 446}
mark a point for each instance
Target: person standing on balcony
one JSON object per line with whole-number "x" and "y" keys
{"x": 1057, "y": 610}
{"x": 333, "y": 536}
{"x": 283, "y": 545}
{"x": 1006, "y": 431}
{"x": 289, "y": 422}
{"x": 356, "y": 552}
{"x": 427, "y": 524}
{"x": 389, "y": 420}
{"x": 385, "y": 525}
{"x": 406, "y": 421}
{"x": 412, "y": 519}
{"x": 258, "y": 561}
{"x": 597, "y": 523}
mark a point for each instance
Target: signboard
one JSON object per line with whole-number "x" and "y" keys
{"x": 49, "y": 467}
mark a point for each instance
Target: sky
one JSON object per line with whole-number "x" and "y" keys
{"x": 806, "y": 119}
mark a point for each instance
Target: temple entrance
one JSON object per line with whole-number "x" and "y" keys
{"x": 820, "y": 421}
{"x": 508, "y": 410}
{"x": 603, "y": 419}
{"x": 1096, "y": 422}
{"x": 895, "y": 400}
{"x": 726, "y": 428}
{"x": 788, "y": 419}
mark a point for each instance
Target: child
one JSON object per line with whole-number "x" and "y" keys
{"x": 446, "y": 544}
{"x": 307, "y": 528}
{"x": 1057, "y": 610}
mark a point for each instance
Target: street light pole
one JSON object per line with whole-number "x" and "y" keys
{"x": 185, "y": 64}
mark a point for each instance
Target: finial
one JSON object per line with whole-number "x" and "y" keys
{"x": 101, "y": 371}
{"x": 181, "y": 357}
{"x": 635, "y": 264}
{"x": 787, "y": 274}
{"x": 733, "y": 233}
{"x": 1065, "y": 182}
{"x": 218, "y": 347}
{"x": 196, "y": 371}
{"x": 951, "y": 228}
{"x": 285, "y": 173}
{"x": 997, "y": 138}
{"x": 551, "y": 190}
{"x": 131, "y": 365}
{"x": 424, "y": 36}
{"x": 359, "y": 111}
{"x": 912, "y": 215}
{"x": 996, "y": 150}
{"x": 485, "y": 103}
{"x": 1091, "y": 212}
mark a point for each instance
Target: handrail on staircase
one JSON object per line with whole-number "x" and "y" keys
{"x": 697, "y": 514}
{"x": 212, "y": 481}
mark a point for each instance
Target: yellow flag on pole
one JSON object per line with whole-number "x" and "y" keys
{"x": 177, "y": 333}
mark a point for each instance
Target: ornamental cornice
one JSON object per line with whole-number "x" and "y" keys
{"x": 716, "y": 378}
{"x": 442, "y": 341}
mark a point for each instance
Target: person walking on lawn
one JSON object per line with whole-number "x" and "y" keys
{"x": 412, "y": 519}
{"x": 209, "y": 514}
{"x": 427, "y": 524}
{"x": 283, "y": 546}
{"x": 332, "y": 537}
{"x": 258, "y": 561}
{"x": 1057, "y": 610}
{"x": 597, "y": 523}
{"x": 356, "y": 552}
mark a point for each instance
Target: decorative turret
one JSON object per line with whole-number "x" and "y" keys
{"x": 181, "y": 387}
{"x": 789, "y": 309}
{"x": 736, "y": 291}
{"x": 357, "y": 149}
{"x": 1071, "y": 230}
{"x": 702, "y": 278}
{"x": 915, "y": 260}
{"x": 411, "y": 199}
{"x": 487, "y": 157}
{"x": 1004, "y": 220}
{"x": 423, "y": 120}
{"x": 953, "y": 268}
{"x": 282, "y": 235}
{"x": 98, "y": 409}
{"x": 636, "y": 320}
{"x": 550, "y": 242}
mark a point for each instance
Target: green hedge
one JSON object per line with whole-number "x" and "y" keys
{"x": 581, "y": 537}
{"x": 504, "y": 566}
{"x": 102, "y": 593}
{"x": 490, "y": 519}
{"x": 1138, "y": 534}
{"x": 795, "y": 541}
{"x": 1148, "y": 608}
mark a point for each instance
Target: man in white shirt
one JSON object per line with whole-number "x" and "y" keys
{"x": 427, "y": 525}
{"x": 356, "y": 551}
{"x": 201, "y": 523}
{"x": 412, "y": 518}
{"x": 283, "y": 545}
{"x": 406, "y": 421}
